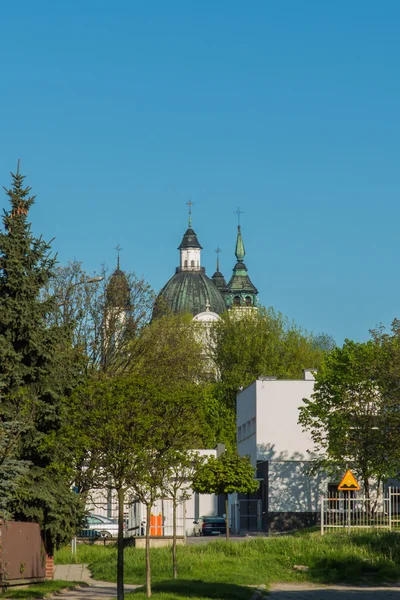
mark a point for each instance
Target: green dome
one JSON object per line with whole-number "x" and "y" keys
{"x": 189, "y": 292}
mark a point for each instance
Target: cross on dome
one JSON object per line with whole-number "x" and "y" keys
{"x": 238, "y": 212}
{"x": 190, "y": 204}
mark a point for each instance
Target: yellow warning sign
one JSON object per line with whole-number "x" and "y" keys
{"x": 348, "y": 482}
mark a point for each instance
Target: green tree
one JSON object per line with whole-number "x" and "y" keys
{"x": 353, "y": 416}
{"x": 181, "y": 466}
{"x": 228, "y": 474}
{"x": 12, "y": 468}
{"x": 131, "y": 421}
{"x": 245, "y": 346}
{"x": 37, "y": 368}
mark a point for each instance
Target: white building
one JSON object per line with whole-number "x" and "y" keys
{"x": 268, "y": 431}
{"x": 104, "y": 503}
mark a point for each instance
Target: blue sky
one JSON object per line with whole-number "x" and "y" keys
{"x": 122, "y": 111}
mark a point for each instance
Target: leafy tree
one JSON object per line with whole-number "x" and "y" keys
{"x": 249, "y": 345}
{"x": 111, "y": 415}
{"x": 12, "y": 468}
{"x": 324, "y": 342}
{"x": 131, "y": 425}
{"x": 181, "y": 467}
{"x": 228, "y": 474}
{"x": 37, "y": 368}
{"x": 353, "y": 416}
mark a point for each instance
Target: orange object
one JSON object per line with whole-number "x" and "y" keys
{"x": 153, "y": 523}
{"x": 159, "y": 525}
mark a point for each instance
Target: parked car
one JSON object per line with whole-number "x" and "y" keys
{"x": 104, "y": 526}
{"x": 213, "y": 525}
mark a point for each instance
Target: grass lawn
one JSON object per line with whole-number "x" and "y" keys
{"x": 195, "y": 590}
{"x": 358, "y": 558}
{"x": 39, "y": 590}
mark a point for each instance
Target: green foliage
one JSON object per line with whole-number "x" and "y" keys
{"x": 258, "y": 343}
{"x": 44, "y": 498}
{"x": 195, "y": 590}
{"x": 218, "y": 420}
{"x": 333, "y": 558}
{"x": 353, "y": 416}
{"x": 41, "y": 590}
{"x": 37, "y": 369}
{"x": 227, "y": 474}
{"x": 12, "y": 468}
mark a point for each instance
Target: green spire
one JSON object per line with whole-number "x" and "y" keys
{"x": 239, "y": 251}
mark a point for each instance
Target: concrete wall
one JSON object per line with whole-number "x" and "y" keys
{"x": 246, "y": 415}
{"x": 292, "y": 488}
{"x": 278, "y": 434}
{"x": 268, "y": 431}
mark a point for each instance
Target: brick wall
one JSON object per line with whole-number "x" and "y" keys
{"x": 49, "y": 567}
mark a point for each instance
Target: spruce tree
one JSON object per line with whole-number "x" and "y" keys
{"x": 32, "y": 374}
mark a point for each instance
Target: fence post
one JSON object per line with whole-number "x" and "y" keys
{"x": 322, "y": 515}
{"x": 390, "y": 507}
{"x": 348, "y": 513}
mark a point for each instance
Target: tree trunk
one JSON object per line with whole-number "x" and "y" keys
{"x": 148, "y": 566}
{"x": 366, "y": 487}
{"x": 120, "y": 556}
{"x": 174, "y": 565}
{"x": 227, "y": 516}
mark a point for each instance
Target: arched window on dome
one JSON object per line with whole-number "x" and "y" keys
{"x": 192, "y": 263}
{"x": 236, "y": 301}
{"x": 185, "y": 263}
{"x": 248, "y": 300}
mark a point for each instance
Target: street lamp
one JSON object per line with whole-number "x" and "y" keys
{"x": 82, "y": 281}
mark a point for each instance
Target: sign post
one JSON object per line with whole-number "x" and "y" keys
{"x": 348, "y": 484}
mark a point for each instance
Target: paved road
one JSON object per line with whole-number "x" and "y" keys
{"x": 287, "y": 591}
{"x": 97, "y": 590}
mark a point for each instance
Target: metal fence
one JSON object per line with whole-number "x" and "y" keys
{"x": 349, "y": 512}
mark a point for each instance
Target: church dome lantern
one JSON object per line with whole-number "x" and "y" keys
{"x": 189, "y": 290}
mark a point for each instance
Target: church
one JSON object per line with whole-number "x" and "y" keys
{"x": 190, "y": 290}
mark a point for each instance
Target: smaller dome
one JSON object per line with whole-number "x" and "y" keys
{"x": 219, "y": 280}
{"x": 189, "y": 240}
{"x": 240, "y": 280}
{"x": 118, "y": 291}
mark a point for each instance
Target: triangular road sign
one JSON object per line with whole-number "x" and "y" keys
{"x": 348, "y": 482}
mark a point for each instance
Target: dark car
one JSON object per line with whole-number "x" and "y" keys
{"x": 210, "y": 526}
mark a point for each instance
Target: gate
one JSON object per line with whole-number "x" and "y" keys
{"x": 394, "y": 507}
{"x": 346, "y": 512}
{"x": 250, "y": 515}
